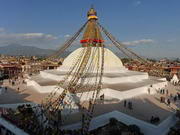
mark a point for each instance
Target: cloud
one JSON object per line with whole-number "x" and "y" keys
{"x": 171, "y": 40}
{"x": 138, "y": 42}
{"x": 26, "y": 38}
{"x": 2, "y": 29}
{"x": 137, "y": 3}
{"x": 67, "y": 35}
{"x": 29, "y": 36}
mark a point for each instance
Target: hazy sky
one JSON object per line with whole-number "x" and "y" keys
{"x": 149, "y": 27}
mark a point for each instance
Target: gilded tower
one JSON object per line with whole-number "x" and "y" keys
{"x": 92, "y": 35}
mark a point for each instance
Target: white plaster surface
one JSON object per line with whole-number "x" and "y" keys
{"x": 107, "y": 91}
{"x": 111, "y": 62}
{"x": 128, "y": 76}
{"x": 175, "y": 79}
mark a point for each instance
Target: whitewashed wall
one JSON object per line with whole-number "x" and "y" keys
{"x": 114, "y": 80}
{"x": 121, "y": 95}
{"x": 42, "y": 89}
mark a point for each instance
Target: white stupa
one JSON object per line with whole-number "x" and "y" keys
{"x": 118, "y": 81}
{"x": 175, "y": 79}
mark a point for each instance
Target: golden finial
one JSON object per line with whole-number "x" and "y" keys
{"x": 92, "y": 14}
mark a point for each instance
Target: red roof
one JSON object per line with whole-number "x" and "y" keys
{"x": 175, "y": 67}
{"x": 8, "y": 65}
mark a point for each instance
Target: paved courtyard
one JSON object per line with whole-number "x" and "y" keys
{"x": 144, "y": 106}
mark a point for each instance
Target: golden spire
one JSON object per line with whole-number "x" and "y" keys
{"x": 92, "y": 35}
{"x": 92, "y": 14}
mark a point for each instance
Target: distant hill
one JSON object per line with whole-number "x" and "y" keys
{"x": 17, "y": 50}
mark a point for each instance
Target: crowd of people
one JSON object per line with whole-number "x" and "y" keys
{"x": 14, "y": 82}
{"x": 17, "y": 81}
{"x": 128, "y": 104}
{"x": 154, "y": 120}
{"x": 167, "y": 97}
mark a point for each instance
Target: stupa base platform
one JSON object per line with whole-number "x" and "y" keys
{"x": 120, "y": 90}
{"x": 110, "y": 78}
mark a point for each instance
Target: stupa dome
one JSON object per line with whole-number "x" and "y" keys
{"x": 111, "y": 62}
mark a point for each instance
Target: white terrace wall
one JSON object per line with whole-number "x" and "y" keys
{"x": 55, "y": 77}
{"x": 121, "y": 79}
{"x": 121, "y": 95}
{"x": 41, "y": 89}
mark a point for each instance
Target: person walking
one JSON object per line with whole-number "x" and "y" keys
{"x": 175, "y": 98}
{"x": 125, "y": 102}
{"x": 130, "y": 105}
{"x": 163, "y": 91}
{"x": 178, "y": 95}
{"x": 5, "y": 89}
{"x": 18, "y": 89}
{"x": 167, "y": 92}
{"x": 161, "y": 99}
{"x": 168, "y": 101}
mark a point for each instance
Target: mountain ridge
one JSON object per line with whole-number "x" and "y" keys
{"x": 22, "y": 50}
